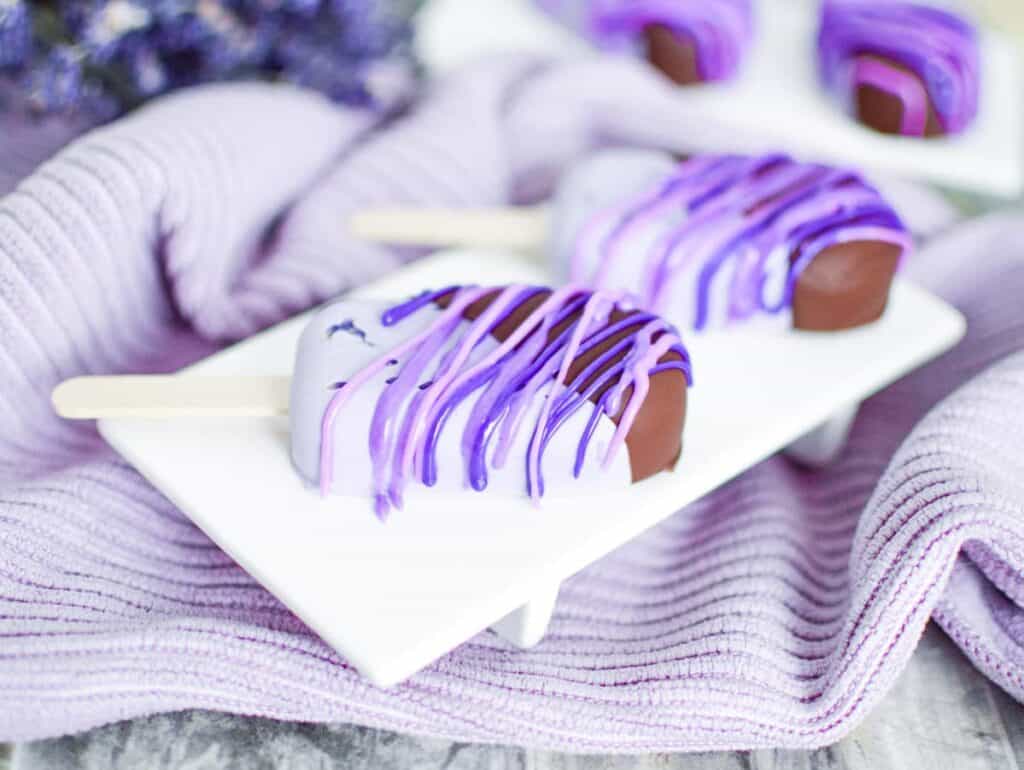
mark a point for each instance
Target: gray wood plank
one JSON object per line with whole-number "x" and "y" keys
{"x": 941, "y": 714}
{"x": 1012, "y": 714}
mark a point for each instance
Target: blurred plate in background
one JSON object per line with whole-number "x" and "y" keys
{"x": 777, "y": 92}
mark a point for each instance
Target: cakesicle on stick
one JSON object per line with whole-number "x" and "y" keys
{"x": 900, "y": 68}
{"x": 706, "y": 242}
{"x": 515, "y": 390}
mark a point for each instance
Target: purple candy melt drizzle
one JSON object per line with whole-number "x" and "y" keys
{"x": 761, "y": 216}
{"x": 719, "y": 30}
{"x": 490, "y": 408}
{"x": 940, "y": 48}
{"x": 463, "y": 360}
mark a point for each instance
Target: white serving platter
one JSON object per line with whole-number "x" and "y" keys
{"x": 777, "y": 94}
{"x": 394, "y": 597}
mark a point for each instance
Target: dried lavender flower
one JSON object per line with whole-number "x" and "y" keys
{"x": 15, "y": 34}
{"x": 105, "y": 56}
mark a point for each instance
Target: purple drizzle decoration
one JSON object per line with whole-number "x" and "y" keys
{"x": 940, "y": 48}
{"x": 719, "y": 30}
{"x": 503, "y": 379}
{"x": 349, "y": 327}
{"x": 750, "y": 215}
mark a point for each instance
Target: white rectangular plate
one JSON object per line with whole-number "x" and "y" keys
{"x": 394, "y": 597}
{"x": 777, "y": 92}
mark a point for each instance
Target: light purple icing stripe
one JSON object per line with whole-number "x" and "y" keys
{"x": 530, "y": 363}
{"x": 938, "y": 47}
{"x": 765, "y": 217}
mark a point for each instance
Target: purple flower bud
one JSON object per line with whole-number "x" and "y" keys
{"x": 108, "y": 55}
{"x": 15, "y": 34}
{"x": 56, "y": 83}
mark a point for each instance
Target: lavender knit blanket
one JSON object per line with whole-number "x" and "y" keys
{"x": 775, "y": 612}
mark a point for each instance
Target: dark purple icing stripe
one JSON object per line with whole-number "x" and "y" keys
{"x": 443, "y": 365}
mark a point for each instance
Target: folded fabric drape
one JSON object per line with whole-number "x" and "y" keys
{"x": 775, "y": 612}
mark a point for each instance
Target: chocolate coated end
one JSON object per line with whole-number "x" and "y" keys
{"x": 672, "y": 53}
{"x": 883, "y": 111}
{"x": 844, "y": 286}
{"x": 654, "y": 441}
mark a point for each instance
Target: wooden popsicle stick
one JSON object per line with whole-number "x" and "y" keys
{"x": 517, "y": 228}
{"x": 170, "y": 396}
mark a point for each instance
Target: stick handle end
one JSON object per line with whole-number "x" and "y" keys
{"x": 516, "y": 228}
{"x": 170, "y": 396}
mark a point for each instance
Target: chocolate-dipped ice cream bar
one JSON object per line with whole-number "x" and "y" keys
{"x": 720, "y": 239}
{"x": 518, "y": 390}
{"x": 900, "y": 68}
{"x": 691, "y": 42}
{"x": 705, "y": 242}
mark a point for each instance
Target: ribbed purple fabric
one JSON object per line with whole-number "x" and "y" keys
{"x": 775, "y": 612}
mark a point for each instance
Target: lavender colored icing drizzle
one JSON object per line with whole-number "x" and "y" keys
{"x": 938, "y": 47}
{"x": 765, "y": 218}
{"x": 719, "y": 30}
{"x": 447, "y": 363}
